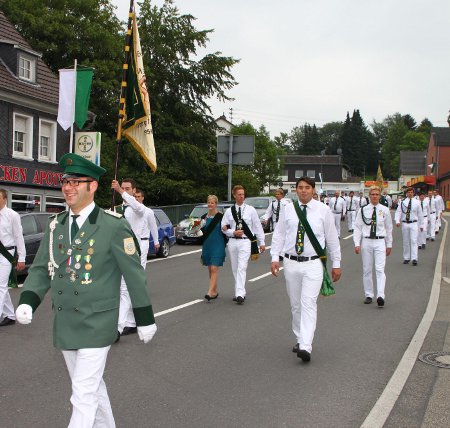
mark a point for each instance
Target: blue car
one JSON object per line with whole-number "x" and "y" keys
{"x": 166, "y": 234}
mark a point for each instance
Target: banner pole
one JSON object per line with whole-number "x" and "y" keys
{"x": 123, "y": 91}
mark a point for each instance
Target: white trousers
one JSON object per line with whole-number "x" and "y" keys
{"x": 422, "y": 237}
{"x": 431, "y": 227}
{"x": 337, "y": 223}
{"x": 351, "y": 215}
{"x": 373, "y": 251}
{"x": 6, "y": 306}
{"x": 239, "y": 251}
{"x": 410, "y": 233}
{"x": 303, "y": 283}
{"x": 126, "y": 316}
{"x": 438, "y": 220}
{"x": 90, "y": 401}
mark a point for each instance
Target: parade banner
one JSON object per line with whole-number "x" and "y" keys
{"x": 88, "y": 145}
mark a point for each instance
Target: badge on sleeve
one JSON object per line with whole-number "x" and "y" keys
{"x": 128, "y": 246}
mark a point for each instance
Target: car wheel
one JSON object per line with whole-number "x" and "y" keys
{"x": 164, "y": 248}
{"x": 180, "y": 242}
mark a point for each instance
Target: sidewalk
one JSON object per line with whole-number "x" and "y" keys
{"x": 424, "y": 402}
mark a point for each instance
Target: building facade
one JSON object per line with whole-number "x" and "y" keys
{"x": 438, "y": 160}
{"x": 31, "y": 141}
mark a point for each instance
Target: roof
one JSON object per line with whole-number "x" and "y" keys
{"x": 441, "y": 136}
{"x": 46, "y": 87}
{"x": 312, "y": 159}
{"x": 412, "y": 162}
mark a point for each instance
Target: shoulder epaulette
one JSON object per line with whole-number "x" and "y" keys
{"x": 113, "y": 213}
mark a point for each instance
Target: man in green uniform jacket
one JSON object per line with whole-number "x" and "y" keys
{"x": 82, "y": 257}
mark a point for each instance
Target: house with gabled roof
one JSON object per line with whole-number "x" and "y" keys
{"x": 31, "y": 141}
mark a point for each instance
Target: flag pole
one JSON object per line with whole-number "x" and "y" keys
{"x": 123, "y": 91}
{"x": 73, "y": 117}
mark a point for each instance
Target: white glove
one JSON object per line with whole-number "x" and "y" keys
{"x": 24, "y": 314}
{"x": 146, "y": 332}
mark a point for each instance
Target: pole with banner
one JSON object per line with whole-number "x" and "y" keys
{"x": 134, "y": 104}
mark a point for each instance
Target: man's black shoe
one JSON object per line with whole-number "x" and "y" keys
{"x": 405, "y": 262}
{"x": 304, "y": 355}
{"x": 296, "y": 348}
{"x": 367, "y": 300}
{"x": 240, "y": 300}
{"x": 7, "y": 321}
{"x": 423, "y": 247}
{"x": 419, "y": 247}
{"x": 380, "y": 301}
{"x": 414, "y": 262}
{"x": 129, "y": 330}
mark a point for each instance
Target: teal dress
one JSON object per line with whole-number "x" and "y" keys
{"x": 213, "y": 252}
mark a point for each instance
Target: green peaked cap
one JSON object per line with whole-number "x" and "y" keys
{"x": 79, "y": 166}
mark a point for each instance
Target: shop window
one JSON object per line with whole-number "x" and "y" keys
{"x": 23, "y": 136}
{"x": 28, "y": 203}
{"x": 47, "y": 141}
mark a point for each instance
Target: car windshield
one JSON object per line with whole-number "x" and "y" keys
{"x": 258, "y": 202}
{"x": 197, "y": 212}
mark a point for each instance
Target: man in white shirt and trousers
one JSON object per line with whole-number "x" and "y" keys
{"x": 239, "y": 245}
{"x": 148, "y": 228}
{"x": 337, "y": 206}
{"x": 137, "y": 215}
{"x": 440, "y": 207}
{"x": 303, "y": 268}
{"x": 422, "y": 239}
{"x": 352, "y": 208}
{"x": 373, "y": 240}
{"x": 273, "y": 210}
{"x": 409, "y": 216}
{"x": 430, "y": 202}
{"x": 11, "y": 237}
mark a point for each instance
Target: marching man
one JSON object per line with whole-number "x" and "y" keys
{"x": 352, "y": 207}
{"x": 337, "y": 206}
{"x": 373, "y": 239}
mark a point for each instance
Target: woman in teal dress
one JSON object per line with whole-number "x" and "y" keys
{"x": 213, "y": 251}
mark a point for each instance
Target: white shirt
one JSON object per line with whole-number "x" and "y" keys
{"x": 322, "y": 223}
{"x": 152, "y": 227}
{"x": 352, "y": 203}
{"x": 439, "y": 203}
{"x": 362, "y": 201}
{"x": 82, "y": 216}
{"x": 384, "y": 224}
{"x": 136, "y": 213}
{"x": 431, "y": 204}
{"x": 271, "y": 211}
{"x": 11, "y": 234}
{"x": 415, "y": 213}
{"x": 425, "y": 212}
{"x": 337, "y": 205}
{"x": 250, "y": 216}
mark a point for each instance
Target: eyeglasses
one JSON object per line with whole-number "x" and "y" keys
{"x": 74, "y": 183}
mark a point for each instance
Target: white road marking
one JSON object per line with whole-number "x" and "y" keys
{"x": 175, "y": 255}
{"x": 348, "y": 237}
{"x": 384, "y": 405}
{"x": 176, "y": 308}
{"x": 263, "y": 276}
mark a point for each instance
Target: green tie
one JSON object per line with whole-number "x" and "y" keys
{"x": 373, "y": 224}
{"x": 299, "y": 245}
{"x": 74, "y": 228}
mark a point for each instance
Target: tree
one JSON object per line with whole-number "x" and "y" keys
{"x": 409, "y": 121}
{"x": 330, "y": 136}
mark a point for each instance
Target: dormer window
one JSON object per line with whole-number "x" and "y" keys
{"x": 27, "y": 67}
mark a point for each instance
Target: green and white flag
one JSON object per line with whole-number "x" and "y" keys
{"x": 74, "y": 94}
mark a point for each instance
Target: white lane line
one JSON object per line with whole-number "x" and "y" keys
{"x": 175, "y": 255}
{"x": 263, "y": 276}
{"x": 176, "y": 308}
{"x": 348, "y": 237}
{"x": 384, "y": 405}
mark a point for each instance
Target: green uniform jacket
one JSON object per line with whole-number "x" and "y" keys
{"x": 86, "y": 285}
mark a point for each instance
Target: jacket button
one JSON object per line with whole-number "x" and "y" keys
{"x": 59, "y": 292}
{"x": 59, "y": 308}
{"x": 61, "y": 275}
{"x": 76, "y": 309}
{"x": 76, "y": 293}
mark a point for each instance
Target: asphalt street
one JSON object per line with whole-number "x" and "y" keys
{"x": 219, "y": 364}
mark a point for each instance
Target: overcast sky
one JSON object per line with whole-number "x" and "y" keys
{"x": 314, "y": 60}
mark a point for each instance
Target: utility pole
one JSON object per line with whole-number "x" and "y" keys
{"x": 231, "y": 114}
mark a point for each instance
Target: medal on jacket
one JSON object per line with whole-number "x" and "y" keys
{"x": 87, "y": 278}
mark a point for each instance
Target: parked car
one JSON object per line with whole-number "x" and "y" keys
{"x": 261, "y": 203}
{"x": 166, "y": 234}
{"x": 33, "y": 226}
{"x": 183, "y": 231}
